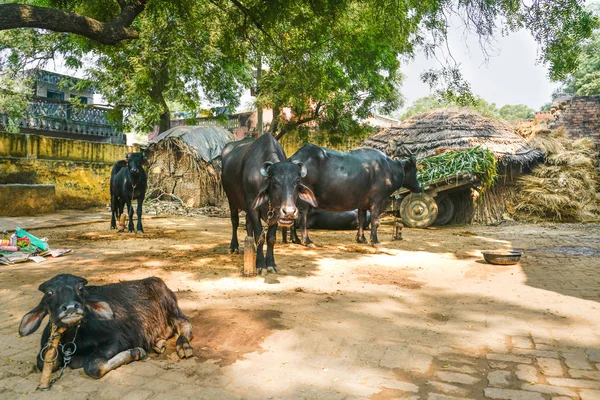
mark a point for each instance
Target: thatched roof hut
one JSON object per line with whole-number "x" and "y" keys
{"x": 185, "y": 161}
{"x": 446, "y": 129}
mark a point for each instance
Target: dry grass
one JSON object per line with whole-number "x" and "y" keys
{"x": 564, "y": 188}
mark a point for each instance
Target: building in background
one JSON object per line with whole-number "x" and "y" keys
{"x": 59, "y": 108}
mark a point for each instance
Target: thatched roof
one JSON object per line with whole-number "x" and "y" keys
{"x": 444, "y": 129}
{"x": 207, "y": 142}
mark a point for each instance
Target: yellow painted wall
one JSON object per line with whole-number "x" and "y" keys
{"x": 79, "y": 170}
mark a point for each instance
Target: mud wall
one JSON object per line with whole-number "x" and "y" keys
{"x": 579, "y": 115}
{"x": 79, "y": 170}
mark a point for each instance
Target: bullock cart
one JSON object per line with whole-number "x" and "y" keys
{"x": 433, "y": 205}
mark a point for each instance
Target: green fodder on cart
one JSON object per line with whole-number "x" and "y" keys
{"x": 476, "y": 161}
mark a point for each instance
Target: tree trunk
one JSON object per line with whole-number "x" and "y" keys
{"x": 157, "y": 95}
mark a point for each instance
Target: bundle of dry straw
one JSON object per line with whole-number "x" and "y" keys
{"x": 565, "y": 187}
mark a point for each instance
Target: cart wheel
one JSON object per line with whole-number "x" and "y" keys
{"x": 445, "y": 210}
{"x": 418, "y": 210}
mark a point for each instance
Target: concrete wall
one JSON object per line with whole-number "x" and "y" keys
{"x": 17, "y": 200}
{"x": 579, "y": 115}
{"x": 79, "y": 170}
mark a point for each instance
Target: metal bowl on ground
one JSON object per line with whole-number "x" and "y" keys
{"x": 502, "y": 257}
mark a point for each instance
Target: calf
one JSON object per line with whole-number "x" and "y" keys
{"x": 128, "y": 181}
{"x": 110, "y": 325}
{"x": 259, "y": 180}
{"x": 360, "y": 179}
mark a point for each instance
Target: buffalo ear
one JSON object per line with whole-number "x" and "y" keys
{"x": 32, "y": 320}
{"x": 262, "y": 197}
{"x": 264, "y": 170}
{"x": 101, "y": 308}
{"x": 303, "y": 170}
{"x": 307, "y": 195}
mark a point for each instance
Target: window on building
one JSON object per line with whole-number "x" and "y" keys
{"x": 53, "y": 94}
{"x": 81, "y": 99}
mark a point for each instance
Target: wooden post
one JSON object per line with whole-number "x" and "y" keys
{"x": 51, "y": 354}
{"x": 249, "y": 257}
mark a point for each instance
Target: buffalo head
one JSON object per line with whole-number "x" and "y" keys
{"x": 282, "y": 188}
{"x": 135, "y": 162}
{"x": 410, "y": 174}
{"x": 66, "y": 301}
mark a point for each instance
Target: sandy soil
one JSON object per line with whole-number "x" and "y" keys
{"x": 343, "y": 320}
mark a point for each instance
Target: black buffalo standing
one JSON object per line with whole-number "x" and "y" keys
{"x": 110, "y": 325}
{"x": 128, "y": 181}
{"x": 361, "y": 179}
{"x": 259, "y": 180}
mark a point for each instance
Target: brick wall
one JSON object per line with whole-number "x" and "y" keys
{"x": 579, "y": 115}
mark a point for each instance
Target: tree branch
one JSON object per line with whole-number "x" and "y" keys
{"x": 293, "y": 125}
{"x": 14, "y": 16}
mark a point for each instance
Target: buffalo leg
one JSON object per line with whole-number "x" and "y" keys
{"x": 254, "y": 228}
{"x": 234, "y": 246}
{"x": 120, "y": 208}
{"x": 184, "y": 330}
{"x": 271, "y": 233}
{"x": 114, "y": 206}
{"x": 374, "y": 223}
{"x": 130, "y": 214}
{"x": 304, "y": 228}
{"x": 284, "y": 235}
{"x": 360, "y": 235}
{"x": 101, "y": 362}
{"x": 140, "y": 202}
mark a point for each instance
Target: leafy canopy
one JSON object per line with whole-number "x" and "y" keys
{"x": 490, "y": 110}
{"x": 329, "y": 61}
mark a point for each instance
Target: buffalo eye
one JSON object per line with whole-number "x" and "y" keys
{"x": 80, "y": 288}
{"x": 49, "y": 293}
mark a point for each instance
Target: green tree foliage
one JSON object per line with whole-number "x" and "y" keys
{"x": 507, "y": 112}
{"x": 329, "y": 61}
{"x": 585, "y": 79}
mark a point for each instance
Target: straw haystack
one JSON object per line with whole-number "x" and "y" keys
{"x": 565, "y": 187}
{"x": 185, "y": 162}
{"x": 447, "y": 129}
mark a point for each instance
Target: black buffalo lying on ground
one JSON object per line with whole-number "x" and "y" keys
{"x": 258, "y": 179}
{"x": 361, "y": 179}
{"x": 110, "y": 325}
{"x": 128, "y": 181}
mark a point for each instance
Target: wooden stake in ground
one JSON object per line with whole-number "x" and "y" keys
{"x": 51, "y": 354}
{"x": 249, "y": 257}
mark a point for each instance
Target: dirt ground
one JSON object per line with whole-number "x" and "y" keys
{"x": 420, "y": 318}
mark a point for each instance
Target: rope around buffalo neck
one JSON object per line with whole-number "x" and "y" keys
{"x": 68, "y": 349}
{"x": 263, "y": 234}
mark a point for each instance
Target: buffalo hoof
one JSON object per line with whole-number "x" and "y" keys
{"x": 234, "y": 251}
{"x": 138, "y": 354}
{"x": 361, "y": 240}
{"x": 185, "y": 350}
{"x": 262, "y": 271}
{"x": 159, "y": 346}
{"x": 272, "y": 269}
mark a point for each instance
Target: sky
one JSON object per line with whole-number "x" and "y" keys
{"x": 510, "y": 76}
